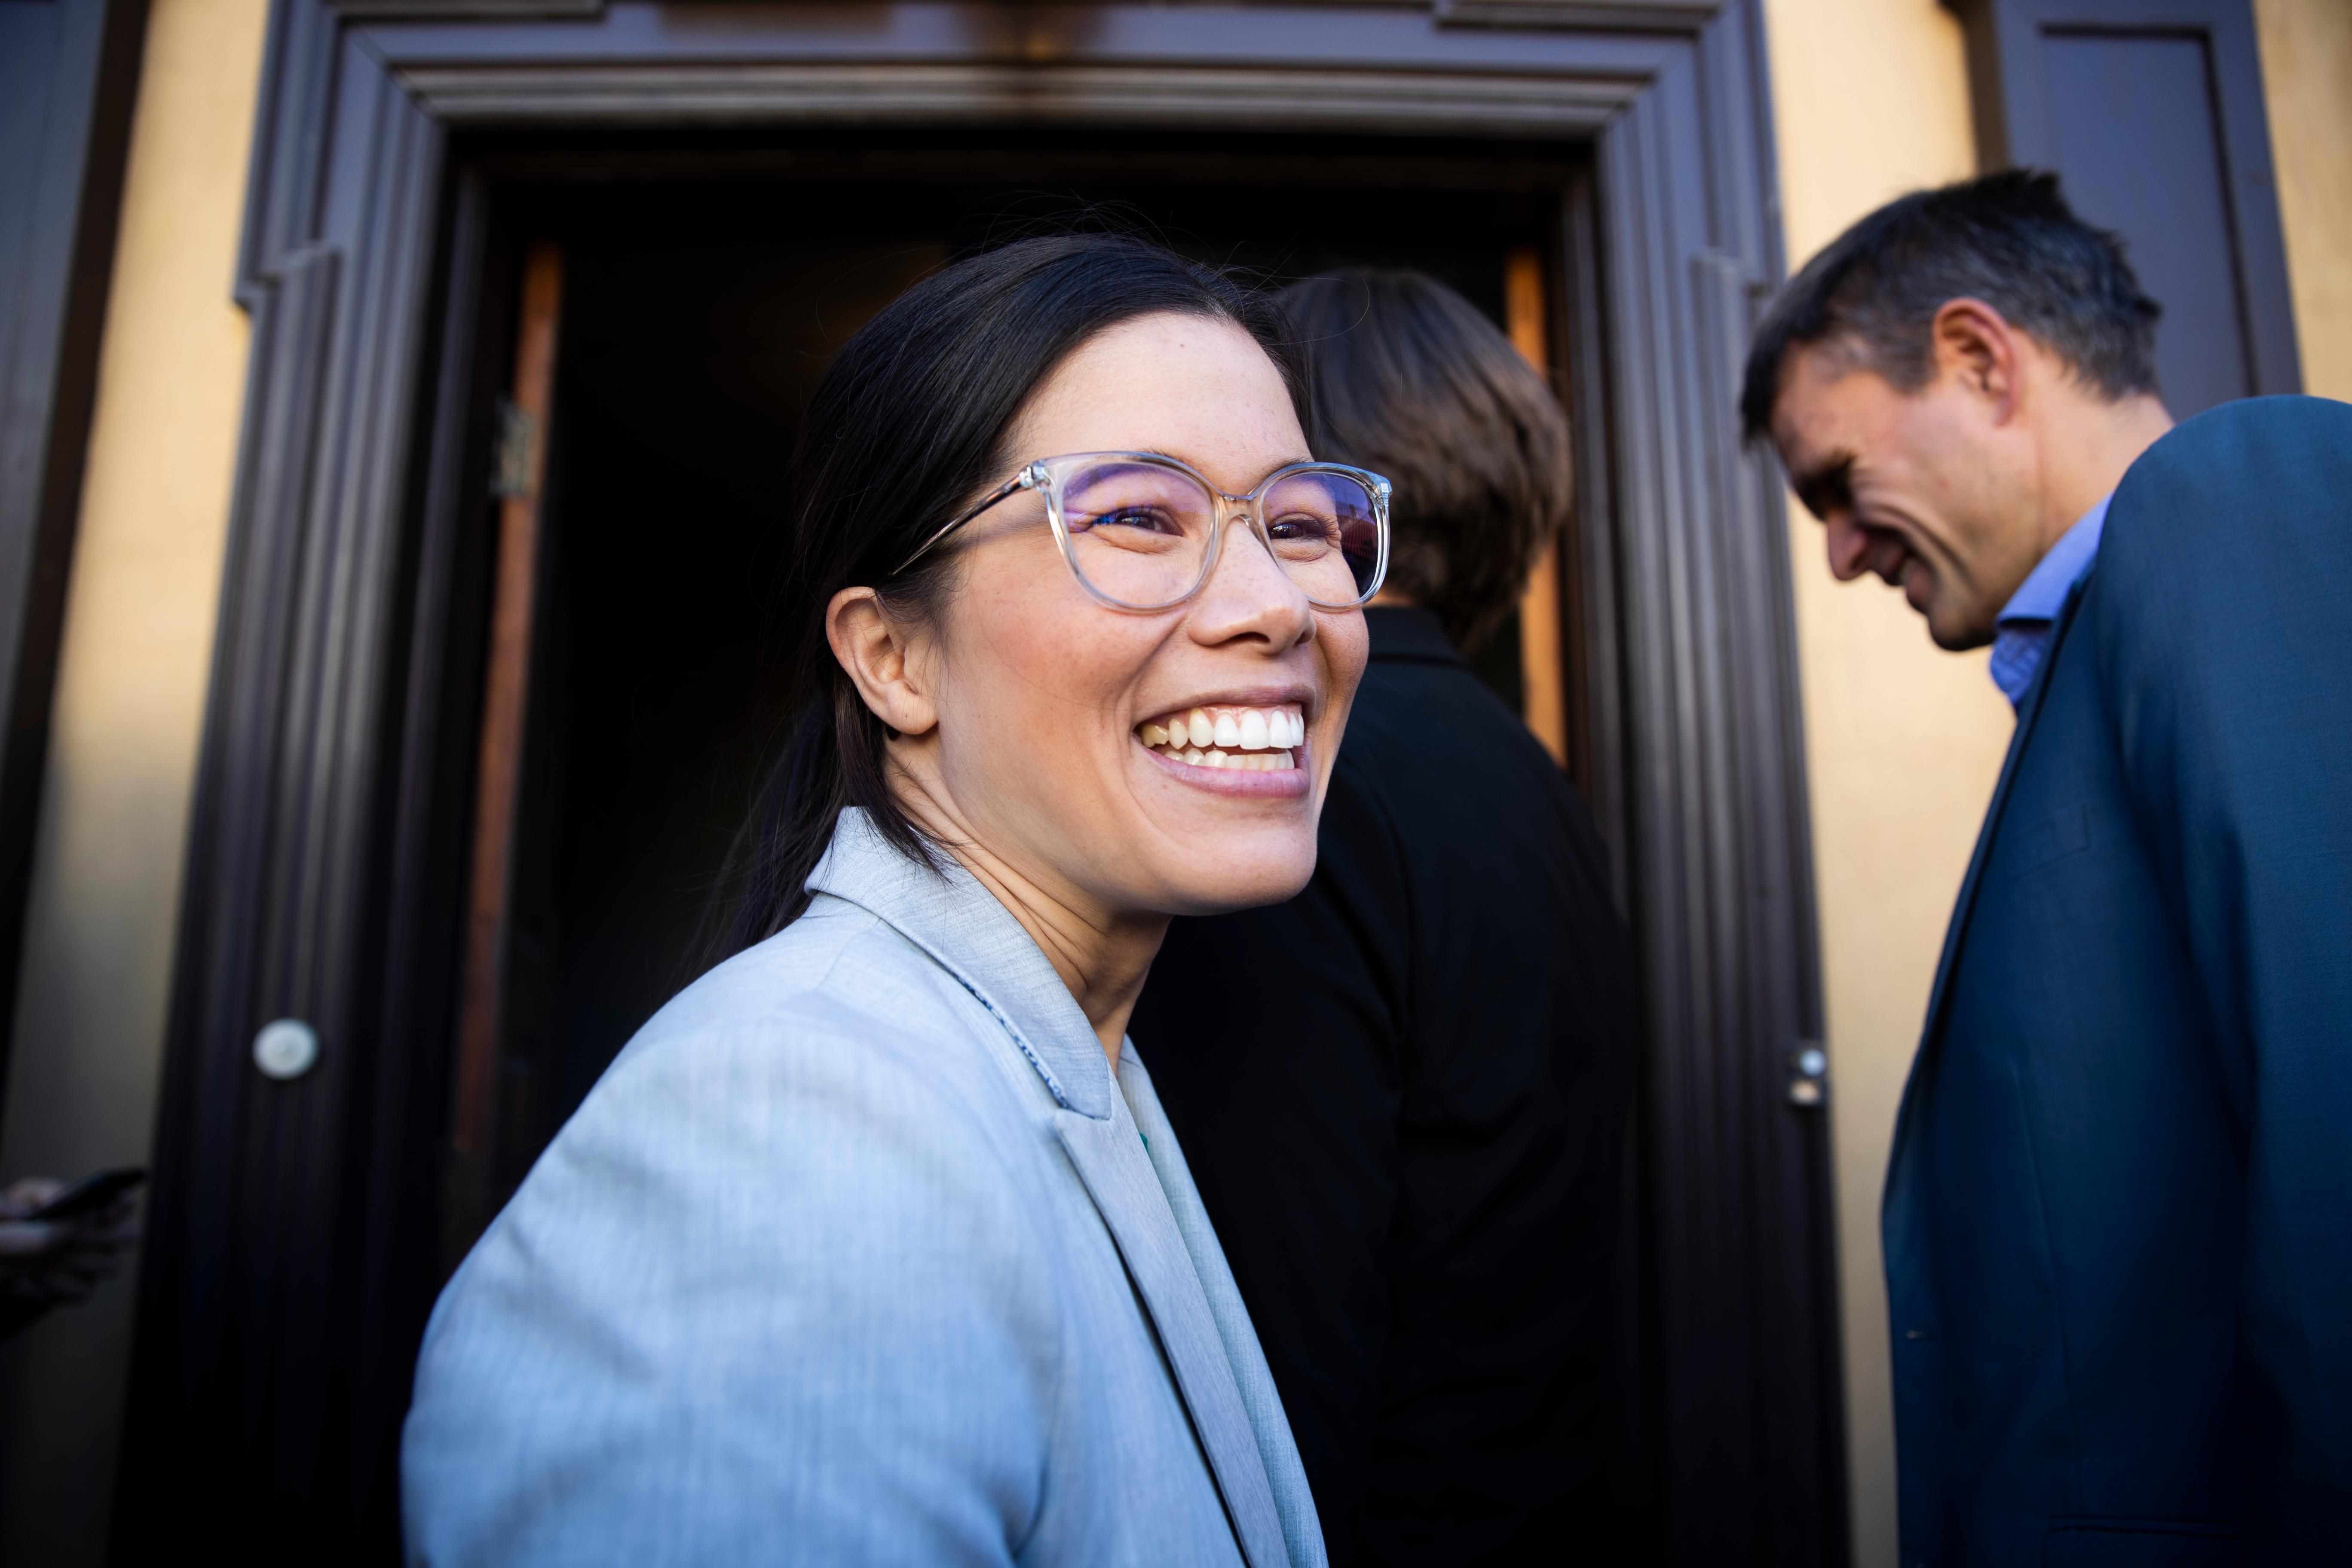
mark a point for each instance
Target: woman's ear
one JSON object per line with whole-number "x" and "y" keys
{"x": 874, "y": 654}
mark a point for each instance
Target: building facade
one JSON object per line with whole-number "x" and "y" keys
{"x": 279, "y": 265}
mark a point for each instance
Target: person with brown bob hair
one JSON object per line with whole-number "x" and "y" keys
{"x": 1410, "y": 1147}
{"x": 1477, "y": 446}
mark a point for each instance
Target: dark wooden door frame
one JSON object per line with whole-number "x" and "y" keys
{"x": 283, "y": 1253}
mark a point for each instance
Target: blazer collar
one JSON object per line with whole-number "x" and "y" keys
{"x": 2029, "y": 713}
{"x": 945, "y": 912}
{"x": 1111, "y": 1160}
{"x": 1294, "y": 1504}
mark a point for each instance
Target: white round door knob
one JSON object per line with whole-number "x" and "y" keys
{"x": 286, "y": 1048}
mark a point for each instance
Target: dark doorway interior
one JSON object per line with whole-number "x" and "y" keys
{"x": 687, "y": 359}
{"x": 697, "y": 316}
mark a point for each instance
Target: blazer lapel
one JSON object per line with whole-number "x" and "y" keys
{"x": 1956, "y": 932}
{"x": 1293, "y": 1500}
{"x": 1109, "y": 1157}
{"x": 950, "y": 915}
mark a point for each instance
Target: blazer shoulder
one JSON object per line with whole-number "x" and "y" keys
{"x": 800, "y": 1236}
{"x": 811, "y": 1093}
{"x": 837, "y": 1045}
{"x": 2236, "y": 522}
{"x": 838, "y": 975}
{"x": 2262, "y": 464}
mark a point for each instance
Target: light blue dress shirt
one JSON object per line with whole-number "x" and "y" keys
{"x": 2021, "y": 631}
{"x": 861, "y": 1252}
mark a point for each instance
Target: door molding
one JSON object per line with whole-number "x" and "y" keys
{"x": 286, "y": 1279}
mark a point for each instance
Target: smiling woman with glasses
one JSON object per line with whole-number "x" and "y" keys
{"x": 874, "y": 1245}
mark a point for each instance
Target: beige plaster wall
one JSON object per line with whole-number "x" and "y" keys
{"x": 129, "y": 700}
{"x": 2306, "y": 49}
{"x": 1903, "y": 741}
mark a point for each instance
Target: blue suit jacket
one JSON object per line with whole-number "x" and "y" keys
{"x": 2119, "y": 1219}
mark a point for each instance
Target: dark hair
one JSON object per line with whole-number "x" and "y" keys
{"x": 908, "y": 428}
{"x": 2009, "y": 240}
{"x": 1413, "y": 382}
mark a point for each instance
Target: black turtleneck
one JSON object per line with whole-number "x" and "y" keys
{"x": 1401, "y": 1095}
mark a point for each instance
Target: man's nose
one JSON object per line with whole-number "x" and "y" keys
{"x": 1849, "y": 546}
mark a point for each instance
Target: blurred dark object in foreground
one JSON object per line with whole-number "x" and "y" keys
{"x": 56, "y": 1261}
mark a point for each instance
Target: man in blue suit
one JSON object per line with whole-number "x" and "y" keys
{"x": 2118, "y": 1217}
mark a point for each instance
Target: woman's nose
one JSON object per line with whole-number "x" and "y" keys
{"x": 1249, "y": 595}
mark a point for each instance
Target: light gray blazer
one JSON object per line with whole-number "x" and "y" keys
{"x": 859, "y": 1254}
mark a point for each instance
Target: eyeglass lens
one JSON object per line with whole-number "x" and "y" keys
{"x": 1140, "y": 533}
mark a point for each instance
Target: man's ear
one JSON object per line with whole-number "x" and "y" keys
{"x": 875, "y": 653}
{"x": 1974, "y": 345}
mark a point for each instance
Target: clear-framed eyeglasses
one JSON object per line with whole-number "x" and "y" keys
{"x": 1143, "y": 532}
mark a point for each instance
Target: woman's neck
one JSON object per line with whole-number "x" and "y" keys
{"x": 1103, "y": 958}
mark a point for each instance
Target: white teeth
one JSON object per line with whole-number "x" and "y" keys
{"x": 1240, "y": 762}
{"x": 1250, "y": 738}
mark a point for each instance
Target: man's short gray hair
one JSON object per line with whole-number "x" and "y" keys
{"x": 2009, "y": 240}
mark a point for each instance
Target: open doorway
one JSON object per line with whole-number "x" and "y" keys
{"x": 687, "y": 324}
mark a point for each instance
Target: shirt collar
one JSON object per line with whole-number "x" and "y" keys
{"x": 2044, "y": 593}
{"x": 1408, "y": 633}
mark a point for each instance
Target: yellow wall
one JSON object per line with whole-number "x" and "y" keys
{"x": 1902, "y": 743}
{"x": 2306, "y": 47}
{"x": 129, "y": 700}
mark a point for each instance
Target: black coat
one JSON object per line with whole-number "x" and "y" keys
{"x": 2119, "y": 1216}
{"x": 1402, "y": 1095}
